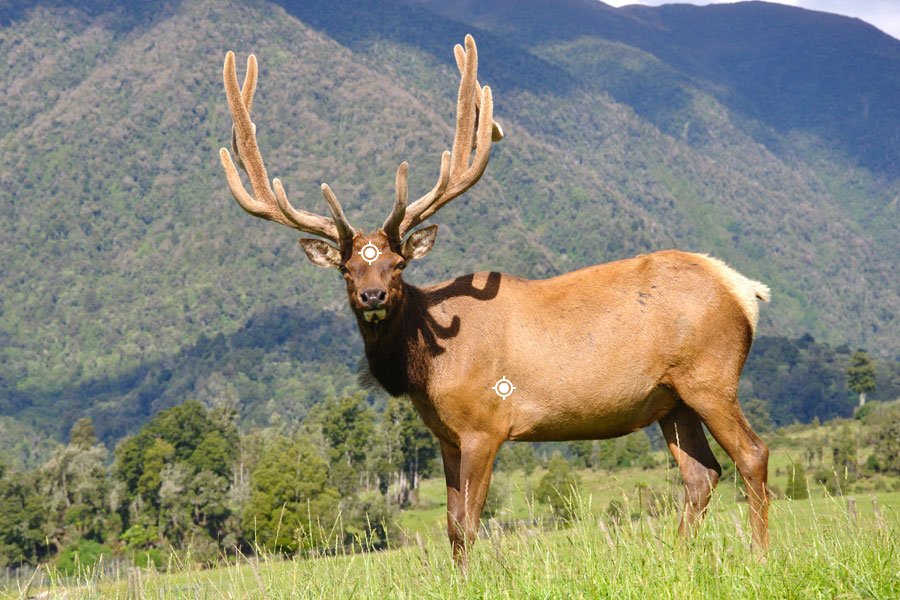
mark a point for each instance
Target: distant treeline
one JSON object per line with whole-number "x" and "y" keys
{"x": 189, "y": 484}
{"x": 798, "y": 380}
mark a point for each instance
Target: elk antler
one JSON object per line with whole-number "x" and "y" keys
{"x": 475, "y": 129}
{"x": 266, "y": 204}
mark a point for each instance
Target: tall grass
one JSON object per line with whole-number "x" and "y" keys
{"x": 819, "y": 550}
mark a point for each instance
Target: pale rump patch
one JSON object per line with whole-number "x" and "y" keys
{"x": 744, "y": 290}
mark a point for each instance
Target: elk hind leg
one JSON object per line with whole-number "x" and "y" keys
{"x": 700, "y": 471}
{"x": 726, "y": 422}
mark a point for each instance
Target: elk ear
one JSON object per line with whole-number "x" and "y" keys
{"x": 419, "y": 243}
{"x": 321, "y": 254}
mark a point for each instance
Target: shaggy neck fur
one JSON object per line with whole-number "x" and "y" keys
{"x": 395, "y": 352}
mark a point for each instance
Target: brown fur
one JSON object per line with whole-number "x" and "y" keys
{"x": 596, "y": 353}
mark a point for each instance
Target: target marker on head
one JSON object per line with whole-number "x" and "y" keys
{"x": 369, "y": 253}
{"x": 504, "y": 387}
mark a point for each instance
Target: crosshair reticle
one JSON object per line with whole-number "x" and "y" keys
{"x": 504, "y": 387}
{"x": 369, "y": 253}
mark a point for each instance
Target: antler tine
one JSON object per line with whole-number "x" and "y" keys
{"x": 465, "y": 111}
{"x": 475, "y": 129}
{"x": 497, "y": 131}
{"x": 247, "y": 92}
{"x": 264, "y": 203}
{"x": 391, "y": 226}
{"x": 343, "y": 225}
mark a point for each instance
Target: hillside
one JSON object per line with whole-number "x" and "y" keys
{"x": 786, "y": 67}
{"x": 122, "y": 250}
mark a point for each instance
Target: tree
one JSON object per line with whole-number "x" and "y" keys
{"x": 409, "y": 449}
{"x": 157, "y": 456}
{"x": 291, "y": 504}
{"x": 174, "y": 481}
{"x": 843, "y": 450}
{"x": 583, "y": 451}
{"x": 80, "y": 556}
{"x": 188, "y": 434}
{"x": 558, "y": 485}
{"x": 635, "y": 450}
{"x": 886, "y": 454}
{"x": 23, "y": 518}
{"x": 607, "y": 454}
{"x": 82, "y": 434}
{"x": 213, "y": 454}
{"x": 349, "y": 426}
{"x": 861, "y": 375}
{"x": 174, "y": 512}
{"x": 517, "y": 455}
{"x": 74, "y": 484}
{"x": 796, "y": 483}
{"x": 844, "y": 465}
{"x": 815, "y": 449}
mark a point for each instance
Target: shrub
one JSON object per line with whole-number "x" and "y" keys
{"x": 149, "y": 559}
{"x": 83, "y": 554}
{"x": 869, "y": 408}
{"x": 887, "y": 442}
{"x": 557, "y": 485}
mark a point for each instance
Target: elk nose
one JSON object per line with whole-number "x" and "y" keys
{"x": 372, "y": 297}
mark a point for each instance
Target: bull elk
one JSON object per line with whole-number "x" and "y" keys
{"x": 488, "y": 358}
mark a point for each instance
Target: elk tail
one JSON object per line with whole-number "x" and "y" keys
{"x": 744, "y": 290}
{"x": 761, "y": 290}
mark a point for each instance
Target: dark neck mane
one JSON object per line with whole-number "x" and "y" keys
{"x": 395, "y": 352}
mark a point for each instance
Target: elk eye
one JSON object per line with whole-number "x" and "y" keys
{"x": 343, "y": 270}
{"x": 401, "y": 265}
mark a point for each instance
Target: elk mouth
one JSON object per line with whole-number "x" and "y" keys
{"x": 375, "y": 315}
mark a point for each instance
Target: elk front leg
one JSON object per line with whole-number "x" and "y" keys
{"x": 467, "y": 492}
{"x": 451, "y": 457}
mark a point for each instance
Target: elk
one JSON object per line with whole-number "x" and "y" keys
{"x": 595, "y": 353}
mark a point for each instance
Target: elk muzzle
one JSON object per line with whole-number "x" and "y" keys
{"x": 372, "y": 300}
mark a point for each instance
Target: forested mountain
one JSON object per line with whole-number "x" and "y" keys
{"x": 786, "y": 67}
{"x": 765, "y": 135}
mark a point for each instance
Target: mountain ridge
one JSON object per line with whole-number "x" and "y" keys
{"x": 830, "y": 53}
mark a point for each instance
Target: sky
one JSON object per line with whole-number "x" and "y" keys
{"x": 883, "y": 14}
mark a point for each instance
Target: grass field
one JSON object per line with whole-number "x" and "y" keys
{"x": 819, "y": 550}
{"x": 516, "y": 491}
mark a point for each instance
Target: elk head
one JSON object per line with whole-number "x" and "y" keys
{"x": 371, "y": 264}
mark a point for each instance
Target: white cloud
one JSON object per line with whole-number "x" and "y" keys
{"x": 883, "y": 14}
